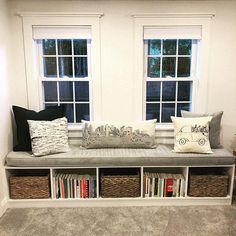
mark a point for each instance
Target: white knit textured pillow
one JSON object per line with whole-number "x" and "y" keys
{"x": 192, "y": 134}
{"x": 49, "y": 137}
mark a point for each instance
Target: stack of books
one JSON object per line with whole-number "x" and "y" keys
{"x": 74, "y": 186}
{"x": 163, "y": 185}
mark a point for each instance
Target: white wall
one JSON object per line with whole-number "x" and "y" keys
{"x": 5, "y": 101}
{"x": 117, "y": 53}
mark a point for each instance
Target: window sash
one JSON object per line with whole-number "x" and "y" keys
{"x": 192, "y": 78}
{"x": 42, "y": 78}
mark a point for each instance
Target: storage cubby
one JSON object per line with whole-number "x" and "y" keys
{"x": 120, "y": 182}
{"x": 209, "y": 182}
{"x": 29, "y": 183}
{"x": 74, "y": 183}
{"x": 160, "y": 182}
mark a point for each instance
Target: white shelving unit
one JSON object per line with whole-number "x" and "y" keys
{"x": 99, "y": 202}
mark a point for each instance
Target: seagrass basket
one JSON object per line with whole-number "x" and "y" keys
{"x": 208, "y": 185}
{"x": 29, "y": 187}
{"x": 125, "y": 183}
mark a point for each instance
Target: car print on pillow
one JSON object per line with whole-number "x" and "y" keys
{"x": 189, "y": 133}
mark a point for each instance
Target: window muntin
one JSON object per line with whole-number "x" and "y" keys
{"x": 65, "y": 76}
{"x": 170, "y": 70}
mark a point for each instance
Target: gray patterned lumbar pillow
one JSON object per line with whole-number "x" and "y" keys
{"x": 119, "y": 135}
{"x": 215, "y": 125}
{"x": 49, "y": 137}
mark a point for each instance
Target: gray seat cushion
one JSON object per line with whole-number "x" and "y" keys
{"x": 160, "y": 156}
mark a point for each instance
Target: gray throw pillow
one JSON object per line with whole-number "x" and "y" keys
{"x": 214, "y": 125}
{"x": 119, "y": 135}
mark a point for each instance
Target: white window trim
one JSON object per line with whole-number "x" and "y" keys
{"x": 30, "y": 19}
{"x": 173, "y": 19}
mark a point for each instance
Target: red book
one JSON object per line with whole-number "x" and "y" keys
{"x": 84, "y": 188}
{"x": 169, "y": 187}
{"x": 81, "y": 188}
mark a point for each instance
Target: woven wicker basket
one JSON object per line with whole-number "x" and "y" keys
{"x": 208, "y": 185}
{"x": 118, "y": 186}
{"x": 29, "y": 187}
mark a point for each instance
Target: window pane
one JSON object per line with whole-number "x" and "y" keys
{"x": 168, "y": 110}
{"x": 154, "y": 67}
{"x": 69, "y": 112}
{"x": 154, "y": 47}
{"x": 65, "y": 66}
{"x": 50, "y": 67}
{"x": 182, "y": 106}
{"x": 185, "y": 47}
{"x": 153, "y": 91}
{"x": 46, "y": 105}
{"x": 66, "y": 91}
{"x": 153, "y": 111}
{"x": 184, "y": 66}
{"x": 169, "y": 47}
{"x": 168, "y": 91}
{"x": 80, "y": 47}
{"x": 184, "y": 91}
{"x": 82, "y": 112}
{"x": 82, "y": 91}
{"x": 49, "y": 47}
{"x": 81, "y": 67}
{"x": 168, "y": 66}
{"x": 64, "y": 47}
{"x": 50, "y": 91}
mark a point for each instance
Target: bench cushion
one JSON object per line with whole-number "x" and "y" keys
{"x": 160, "y": 156}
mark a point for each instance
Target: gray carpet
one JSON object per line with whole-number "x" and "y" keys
{"x": 189, "y": 221}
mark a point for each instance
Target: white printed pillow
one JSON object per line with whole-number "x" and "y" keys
{"x": 49, "y": 137}
{"x": 192, "y": 134}
{"x": 119, "y": 135}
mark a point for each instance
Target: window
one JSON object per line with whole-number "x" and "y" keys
{"x": 65, "y": 76}
{"x": 170, "y": 73}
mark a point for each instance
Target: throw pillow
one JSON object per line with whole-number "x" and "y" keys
{"x": 192, "y": 134}
{"x": 49, "y": 137}
{"x": 21, "y": 117}
{"x": 214, "y": 126}
{"x": 119, "y": 135}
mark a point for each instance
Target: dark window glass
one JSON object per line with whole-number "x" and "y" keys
{"x": 168, "y": 110}
{"x": 82, "y": 91}
{"x": 153, "y": 67}
{"x": 153, "y": 91}
{"x": 154, "y": 47}
{"x": 182, "y": 106}
{"x": 50, "y": 91}
{"x": 82, "y": 112}
{"x": 81, "y": 66}
{"x": 50, "y": 67}
{"x": 168, "y": 91}
{"x": 65, "y": 66}
{"x": 184, "y": 91}
{"x": 80, "y": 47}
{"x": 69, "y": 112}
{"x": 185, "y": 47}
{"x": 184, "y": 66}
{"x": 49, "y": 47}
{"x": 153, "y": 111}
{"x": 169, "y": 47}
{"x": 66, "y": 91}
{"x": 64, "y": 47}
{"x": 168, "y": 66}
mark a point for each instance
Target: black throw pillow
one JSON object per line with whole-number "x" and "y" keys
{"x": 21, "y": 117}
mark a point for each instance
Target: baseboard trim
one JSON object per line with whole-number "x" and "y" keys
{"x": 3, "y": 206}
